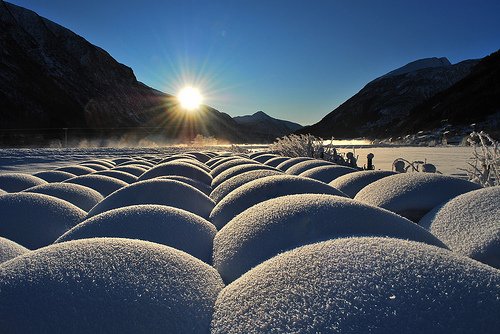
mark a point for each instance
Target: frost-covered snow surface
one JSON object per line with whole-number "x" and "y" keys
{"x": 10, "y": 249}
{"x": 157, "y": 223}
{"x": 105, "y": 185}
{"x": 178, "y": 168}
{"x": 352, "y": 183}
{"x": 327, "y": 173}
{"x": 107, "y": 286}
{"x": 306, "y": 165}
{"x": 18, "y": 181}
{"x": 469, "y": 224}
{"x": 237, "y": 170}
{"x": 287, "y": 222}
{"x": 412, "y": 195}
{"x": 362, "y": 285}
{"x": 54, "y": 175}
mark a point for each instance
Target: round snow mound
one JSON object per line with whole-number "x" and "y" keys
{"x": 83, "y": 197}
{"x": 14, "y": 182}
{"x": 231, "y": 163}
{"x": 327, "y": 173}
{"x": 352, "y": 183}
{"x": 107, "y": 286}
{"x": 158, "y": 191}
{"x": 203, "y": 187}
{"x": 124, "y": 176}
{"x": 412, "y": 195}
{"x": 178, "y": 168}
{"x": 469, "y": 224}
{"x": 292, "y": 162}
{"x": 157, "y": 223}
{"x": 131, "y": 169}
{"x": 36, "y": 220}
{"x": 274, "y": 162}
{"x": 105, "y": 185}
{"x": 306, "y": 165}
{"x": 54, "y": 175}
{"x": 263, "y": 189}
{"x": 362, "y": 285}
{"x": 102, "y": 162}
{"x": 223, "y": 160}
{"x": 265, "y": 157}
{"x": 237, "y": 170}
{"x": 77, "y": 170}
{"x": 10, "y": 249}
{"x": 96, "y": 167}
{"x": 227, "y": 186}
{"x": 287, "y": 222}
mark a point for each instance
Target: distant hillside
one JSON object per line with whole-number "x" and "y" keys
{"x": 265, "y": 128}
{"x": 389, "y": 99}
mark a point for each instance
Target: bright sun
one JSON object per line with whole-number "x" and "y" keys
{"x": 190, "y": 98}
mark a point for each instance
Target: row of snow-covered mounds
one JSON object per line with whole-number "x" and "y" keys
{"x": 149, "y": 243}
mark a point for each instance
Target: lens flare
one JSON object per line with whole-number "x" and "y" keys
{"x": 190, "y": 98}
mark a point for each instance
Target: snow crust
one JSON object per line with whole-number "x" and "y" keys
{"x": 124, "y": 176}
{"x": 36, "y": 220}
{"x": 412, "y": 195}
{"x": 54, "y": 175}
{"x": 327, "y": 173}
{"x": 10, "y": 249}
{"x": 77, "y": 170}
{"x": 291, "y": 162}
{"x": 178, "y": 168}
{"x": 158, "y": 191}
{"x": 83, "y": 197}
{"x": 469, "y": 224}
{"x": 165, "y": 225}
{"x": 105, "y": 185}
{"x": 263, "y": 189}
{"x": 14, "y": 182}
{"x": 284, "y": 223}
{"x": 237, "y": 170}
{"x": 306, "y": 165}
{"x": 352, "y": 183}
{"x": 107, "y": 285}
{"x": 362, "y": 285}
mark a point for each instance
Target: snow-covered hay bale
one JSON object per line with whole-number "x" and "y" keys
{"x": 107, "y": 285}
{"x": 178, "y": 169}
{"x": 158, "y": 191}
{"x": 54, "y": 175}
{"x": 77, "y": 170}
{"x": 352, "y": 183}
{"x": 10, "y": 249}
{"x": 291, "y": 162}
{"x": 83, "y": 197}
{"x": 96, "y": 167}
{"x": 263, "y": 189}
{"x": 362, "y": 285}
{"x": 231, "y": 163}
{"x": 105, "y": 185}
{"x": 131, "y": 169}
{"x": 274, "y": 162}
{"x": 265, "y": 157}
{"x": 124, "y": 176}
{"x": 327, "y": 173}
{"x": 229, "y": 185}
{"x": 306, "y": 165}
{"x": 203, "y": 187}
{"x": 412, "y": 195}
{"x": 36, "y": 220}
{"x": 469, "y": 224}
{"x": 156, "y": 223}
{"x": 14, "y": 182}
{"x": 237, "y": 170}
{"x": 284, "y": 223}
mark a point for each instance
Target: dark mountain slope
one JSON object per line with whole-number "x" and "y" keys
{"x": 265, "y": 128}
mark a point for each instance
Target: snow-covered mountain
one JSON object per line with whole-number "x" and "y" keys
{"x": 264, "y": 127}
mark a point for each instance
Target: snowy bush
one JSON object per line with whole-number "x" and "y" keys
{"x": 362, "y": 285}
{"x": 14, "y": 182}
{"x": 10, "y": 249}
{"x": 287, "y": 222}
{"x": 107, "y": 285}
{"x": 485, "y": 169}
{"x": 352, "y": 183}
{"x": 298, "y": 146}
{"x": 105, "y": 185}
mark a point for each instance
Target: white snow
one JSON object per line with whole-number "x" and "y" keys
{"x": 469, "y": 224}
{"x": 362, "y": 285}
{"x": 76, "y": 170}
{"x": 306, "y": 165}
{"x": 15, "y": 182}
{"x": 284, "y": 223}
{"x": 10, "y": 249}
{"x": 136, "y": 170}
{"x": 124, "y": 176}
{"x": 107, "y": 285}
{"x": 105, "y": 185}
{"x": 54, "y": 175}
{"x": 237, "y": 170}
{"x": 412, "y": 195}
{"x": 274, "y": 162}
{"x": 327, "y": 173}
{"x": 352, "y": 183}
{"x": 165, "y": 225}
{"x": 96, "y": 167}
{"x": 231, "y": 163}
{"x": 177, "y": 168}
{"x": 203, "y": 187}
{"x": 263, "y": 189}
{"x": 36, "y": 220}
{"x": 291, "y": 162}
{"x": 264, "y": 157}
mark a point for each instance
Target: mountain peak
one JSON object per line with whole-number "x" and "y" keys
{"x": 261, "y": 114}
{"x": 419, "y": 64}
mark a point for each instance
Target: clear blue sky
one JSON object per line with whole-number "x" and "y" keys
{"x": 295, "y": 60}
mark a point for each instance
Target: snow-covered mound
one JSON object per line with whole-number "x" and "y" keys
{"x": 201, "y": 186}
{"x": 284, "y": 223}
{"x": 327, "y": 173}
{"x": 14, "y": 182}
{"x": 292, "y": 162}
{"x": 10, "y": 249}
{"x": 223, "y": 160}
{"x": 107, "y": 285}
{"x": 213, "y": 160}
{"x": 140, "y": 163}
{"x": 469, "y": 224}
{"x": 231, "y": 163}
{"x": 96, "y": 167}
{"x": 412, "y": 195}
{"x": 3, "y": 192}
{"x": 54, "y": 175}
{"x": 36, "y": 220}
{"x": 352, "y": 183}
{"x": 105, "y": 185}
{"x": 124, "y": 176}
{"x": 195, "y": 162}
{"x": 131, "y": 169}
{"x": 274, "y": 162}
{"x": 83, "y": 197}
{"x": 263, "y": 189}
{"x": 158, "y": 191}
{"x": 237, "y": 170}
{"x": 77, "y": 170}
{"x": 200, "y": 156}
{"x": 362, "y": 285}
{"x": 257, "y": 154}
{"x": 229, "y": 185}
{"x": 102, "y": 162}
{"x": 306, "y": 165}
{"x": 118, "y": 161}
{"x": 264, "y": 157}
{"x": 157, "y": 223}
{"x": 177, "y": 168}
